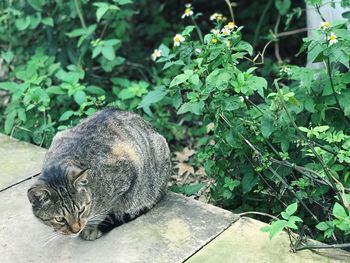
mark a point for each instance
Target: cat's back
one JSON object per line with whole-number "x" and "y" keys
{"x": 106, "y": 131}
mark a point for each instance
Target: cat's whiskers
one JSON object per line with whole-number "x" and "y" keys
{"x": 48, "y": 239}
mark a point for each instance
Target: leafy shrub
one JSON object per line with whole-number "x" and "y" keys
{"x": 260, "y": 140}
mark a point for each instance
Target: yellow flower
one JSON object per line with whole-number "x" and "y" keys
{"x": 214, "y": 40}
{"x": 156, "y": 54}
{"x": 188, "y": 11}
{"x": 325, "y": 25}
{"x": 332, "y": 39}
{"x": 231, "y": 25}
{"x": 178, "y": 39}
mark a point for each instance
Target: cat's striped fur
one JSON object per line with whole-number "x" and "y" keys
{"x": 107, "y": 170}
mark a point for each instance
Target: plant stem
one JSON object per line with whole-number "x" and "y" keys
{"x": 80, "y": 14}
{"x": 261, "y": 20}
{"x": 329, "y": 73}
{"x": 228, "y": 2}
{"x": 199, "y": 32}
{"x": 319, "y": 158}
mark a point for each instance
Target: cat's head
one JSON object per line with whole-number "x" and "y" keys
{"x": 62, "y": 199}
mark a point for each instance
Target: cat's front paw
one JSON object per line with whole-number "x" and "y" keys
{"x": 90, "y": 233}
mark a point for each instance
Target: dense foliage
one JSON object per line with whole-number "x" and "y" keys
{"x": 274, "y": 136}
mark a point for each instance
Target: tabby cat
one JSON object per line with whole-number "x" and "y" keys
{"x": 107, "y": 170}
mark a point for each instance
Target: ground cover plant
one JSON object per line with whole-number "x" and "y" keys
{"x": 270, "y": 135}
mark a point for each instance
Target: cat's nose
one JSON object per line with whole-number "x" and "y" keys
{"x": 75, "y": 228}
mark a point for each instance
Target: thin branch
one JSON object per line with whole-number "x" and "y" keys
{"x": 277, "y": 46}
{"x": 323, "y": 246}
{"x": 199, "y": 32}
{"x": 80, "y": 14}
{"x": 258, "y": 153}
{"x": 261, "y": 20}
{"x": 229, "y": 4}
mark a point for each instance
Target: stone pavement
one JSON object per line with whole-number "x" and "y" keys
{"x": 178, "y": 229}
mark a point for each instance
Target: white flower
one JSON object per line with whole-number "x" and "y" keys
{"x": 198, "y": 50}
{"x": 215, "y": 32}
{"x": 188, "y": 11}
{"x": 332, "y": 39}
{"x": 325, "y": 25}
{"x": 226, "y": 31}
{"x": 217, "y": 17}
{"x": 156, "y": 54}
{"x": 178, "y": 39}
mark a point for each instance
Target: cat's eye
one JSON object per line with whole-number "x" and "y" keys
{"x": 59, "y": 219}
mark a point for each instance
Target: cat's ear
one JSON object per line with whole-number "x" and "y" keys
{"x": 80, "y": 177}
{"x": 38, "y": 194}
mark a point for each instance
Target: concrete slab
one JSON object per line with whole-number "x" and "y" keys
{"x": 18, "y": 161}
{"x": 171, "y": 232}
{"x": 244, "y": 242}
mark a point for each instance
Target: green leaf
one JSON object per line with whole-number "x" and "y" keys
{"x": 188, "y": 30}
{"x": 108, "y": 52}
{"x": 244, "y": 46}
{"x": 339, "y": 211}
{"x": 194, "y": 107}
{"x": 345, "y": 78}
{"x": 277, "y": 227}
{"x": 321, "y": 128}
{"x": 76, "y": 32}
{"x": 22, "y": 23}
{"x": 343, "y": 101}
{"x": 314, "y": 52}
{"x": 283, "y": 6}
{"x": 66, "y": 115}
{"x": 79, "y": 97}
{"x": 22, "y": 114}
{"x": 231, "y": 184}
{"x": 323, "y": 226}
{"x": 7, "y": 56}
{"x": 191, "y": 189}
{"x": 97, "y": 50}
{"x": 101, "y": 10}
{"x": 164, "y": 49}
{"x": 291, "y": 209}
{"x": 9, "y": 122}
{"x": 342, "y": 33}
{"x": 249, "y": 180}
{"x": 267, "y": 125}
{"x": 48, "y": 21}
{"x": 55, "y": 90}
{"x": 8, "y": 86}
{"x": 95, "y": 90}
{"x": 178, "y": 80}
{"x": 90, "y": 111}
{"x": 152, "y": 97}
{"x": 36, "y": 4}
{"x": 124, "y": 2}
{"x": 303, "y": 129}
